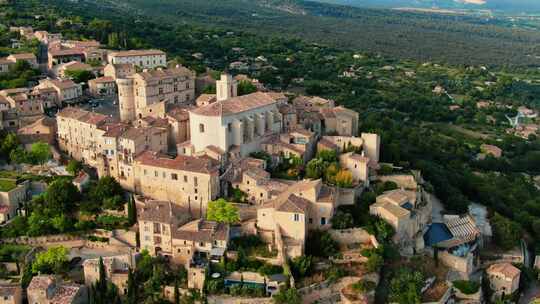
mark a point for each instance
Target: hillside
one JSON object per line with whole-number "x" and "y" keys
{"x": 508, "y": 6}
{"x": 426, "y": 37}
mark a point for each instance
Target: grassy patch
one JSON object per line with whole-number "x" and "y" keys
{"x": 7, "y": 185}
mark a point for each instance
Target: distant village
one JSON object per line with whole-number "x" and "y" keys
{"x": 179, "y": 152}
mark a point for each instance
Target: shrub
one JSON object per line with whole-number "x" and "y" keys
{"x": 364, "y": 286}
{"x": 466, "y": 287}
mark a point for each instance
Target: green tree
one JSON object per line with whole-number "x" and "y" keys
{"x": 9, "y": 143}
{"x": 301, "y": 266}
{"x": 40, "y": 152}
{"x": 52, "y": 261}
{"x": 506, "y": 233}
{"x": 61, "y": 197}
{"x": 315, "y": 168}
{"x": 287, "y": 296}
{"x": 320, "y": 244}
{"x": 342, "y": 220}
{"x": 222, "y": 211}
{"x": 131, "y": 297}
{"x": 405, "y": 286}
{"x": 19, "y": 156}
{"x": 107, "y": 188}
{"x": 79, "y": 76}
{"x": 73, "y": 167}
{"x": 246, "y": 87}
{"x": 132, "y": 211}
{"x": 344, "y": 179}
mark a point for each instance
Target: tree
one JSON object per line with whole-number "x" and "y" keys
{"x": 405, "y": 286}
{"x": 61, "y": 197}
{"x": 73, "y": 167}
{"x": 222, "y": 211}
{"x": 52, "y": 261}
{"x": 79, "y": 76}
{"x": 315, "y": 168}
{"x": 40, "y": 152}
{"x": 506, "y": 232}
{"x": 344, "y": 179}
{"x": 301, "y": 266}
{"x": 320, "y": 244}
{"x": 246, "y": 87}
{"x": 176, "y": 293}
{"x": 9, "y": 143}
{"x": 132, "y": 211}
{"x": 131, "y": 297}
{"x": 19, "y": 156}
{"x": 107, "y": 190}
{"x": 287, "y": 296}
{"x": 342, "y": 220}
{"x": 329, "y": 156}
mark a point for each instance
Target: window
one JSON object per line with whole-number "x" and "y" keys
{"x": 174, "y": 176}
{"x": 185, "y": 178}
{"x": 296, "y": 217}
{"x": 311, "y": 220}
{"x": 195, "y": 181}
{"x": 201, "y": 244}
{"x": 201, "y": 128}
{"x": 323, "y": 221}
{"x": 156, "y": 174}
{"x": 229, "y": 127}
{"x": 160, "y": 90}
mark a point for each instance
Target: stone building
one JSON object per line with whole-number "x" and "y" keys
{"x": 121, "y": 70}
{"x": 146, "y": 59}
{"x": 102, "y": 86}
{"x": 148, "y": 93}
{"x": 47, "y": 289}
{"x": 185, "y": 180}
{"x": 408, "y": 212}
{"x": 116, "y": 270}
{"x": 66, "y": 90}
{"x": 240, "y": 122}
{"x": 28, "y": 57}
{"x": 166, "y": 229}
{"x": 503, "y": 278}
{"x": 305, "y": 205}
{"x": 10, "y": 293}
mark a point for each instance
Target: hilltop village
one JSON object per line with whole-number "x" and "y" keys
{"x": 205, "y": 190}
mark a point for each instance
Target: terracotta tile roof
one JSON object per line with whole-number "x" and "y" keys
{"x": 215, "y": 149}
{"x": 359, "y": 158}
{"x": 81, "y": 177}
{"x": 82, "y": 115}
{"x": 205, "y": 99}
{"x": 114, "y": 129}
{"x": 289, "y": 203}
{"x": 165, "y": 73}
{"x": 179, "y": 113}
{"x": 506, "y": 269}
{"x": 132, "y": 53}
{"x": 65, "y": 294}
{"x": 24, "y": 56}
{"x": 236, "y": 105}
{"x": 72, "y": 112}
{"x": 66, "y": 52}
{"x": 163, "y": 212}
{"x": 63, "y": 84}
{"x": 9, "y": 289}
{"x": 202, "y": 231}
{"x": 41, "y": 282}
{"x": 75, "y": 65}
{"x": 104, "y": 79}
{"x": 181, "y": 162}
{"x": 136, "y": 133}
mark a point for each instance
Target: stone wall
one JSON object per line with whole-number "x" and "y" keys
{"x": 406, "y": 181}
{"x": 353, "y": 236}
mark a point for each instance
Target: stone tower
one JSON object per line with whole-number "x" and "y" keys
{"x": 372, "y": 146}
{"x": 226, "y": 87}
{"x": 126, "y": 99}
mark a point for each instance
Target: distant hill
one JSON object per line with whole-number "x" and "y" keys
{"x": 510, "y": 6}
{"x": 402, "y": 35}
